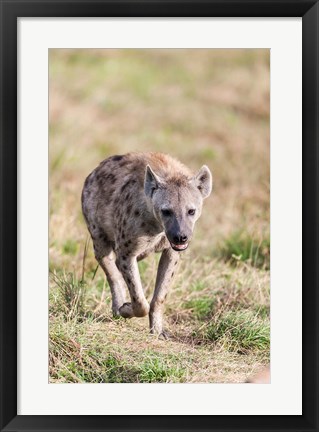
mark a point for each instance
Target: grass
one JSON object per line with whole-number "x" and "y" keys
{"x": 70, "y": 247}
{"x": 71, "y": 294}
{"x": 240, "y": 246}
{"x": 239, "y": 331}
{"x": 203, "y": 107}
{"x": 201, "y": 307}
{"x": 89, "y": 363}
{"x": 219, "y": 330}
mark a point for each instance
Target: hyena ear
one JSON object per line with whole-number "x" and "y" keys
{"x": 203, "y": 180}
{"x": 151, "y": 182}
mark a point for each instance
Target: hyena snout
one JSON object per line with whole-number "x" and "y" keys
{"x": 178, "y": 234}
{"x": 180, "y": 238}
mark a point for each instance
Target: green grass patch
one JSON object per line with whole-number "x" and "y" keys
{"x": 241, "y": 247}
{"x": 199, "y": 285}
{"x": 239, "y": 331}
{"x": 263, "y": 311}
{"x": 79, "y": 365}
{"x": 158, "y": 369}
{"x": 70, "y": 247}
{"x": 201, "y": 308}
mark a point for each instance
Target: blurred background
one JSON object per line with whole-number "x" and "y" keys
{"x": 207, "y": 106}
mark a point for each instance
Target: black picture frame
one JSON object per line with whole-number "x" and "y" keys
{"x": 11, "y": 10}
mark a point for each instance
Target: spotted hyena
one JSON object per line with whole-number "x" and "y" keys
{"x": 134, "y": 205}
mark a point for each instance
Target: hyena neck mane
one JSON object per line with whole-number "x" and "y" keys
{"x": 168, "y": 168}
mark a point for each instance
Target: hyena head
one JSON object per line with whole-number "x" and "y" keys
{"x": 177, "y": 203}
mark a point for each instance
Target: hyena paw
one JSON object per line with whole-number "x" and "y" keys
{"x": 161, "y": 334}
{"x": 126, "y": 310}
{"x": 116, "y": 310}
{"x": 116, "y": 314}
{"x": 164, "y": 335}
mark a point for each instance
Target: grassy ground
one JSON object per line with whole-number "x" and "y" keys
{"x": 202, "y": 106}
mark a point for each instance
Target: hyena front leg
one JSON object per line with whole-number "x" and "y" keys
{"x": 139, "y": 306}
{"x": 103, "y": 250}
{"x": 115, "y": 280}
{"x": 165, "y": 273}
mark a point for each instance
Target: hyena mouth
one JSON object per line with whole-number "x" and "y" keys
{"x": 179, "y": 247}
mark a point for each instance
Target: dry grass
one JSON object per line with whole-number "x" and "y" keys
{"x": 202, "y": 106}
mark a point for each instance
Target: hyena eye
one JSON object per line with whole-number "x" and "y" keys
{"x": 191, "y": 212}
{"x": 166, "y": 212}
